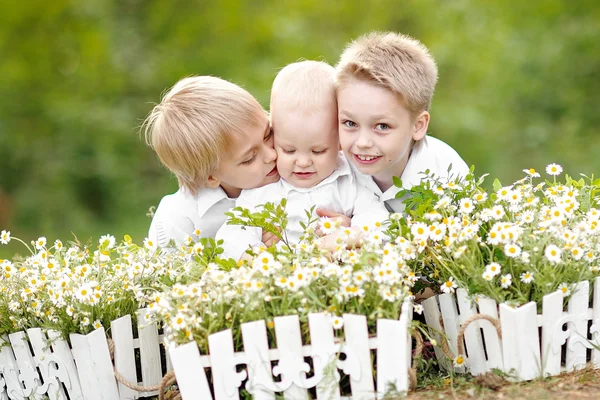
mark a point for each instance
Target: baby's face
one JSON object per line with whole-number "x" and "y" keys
{"x": 307, "y": 144}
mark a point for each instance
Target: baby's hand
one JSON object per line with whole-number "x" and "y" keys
{"x": 343, "y": 220}
{"x": 269, "y": 239}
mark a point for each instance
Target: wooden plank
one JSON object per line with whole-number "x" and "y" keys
{"x": 226, "y": 380}
{"x": 451, "y": 323}
{"x": 433, "y": 316}
{"x": 596, "y": 323}
{"x": 552, "y": 312}
{"x": 493, "y": 344}
{"x": 94, "y": 366}
{"x": 149, "y": 351}
{"x": 256, "y": 347}
{"x": 52, "y": 386}
{"x": 122, "y": 336}
{"x": 324, "y": 355}
{"x": 577, "y": 308}
{"x": 358, "y": 357}
{"x": 10, "y": 373}
{"x": 27, "y": 367}
{"x": 520, "y": 341}
{"x": 392, "y": 369}
{"x": 476, "y": 361}
{"x": 291, "y": 365}
{"x": 189, "y": 371}
{"x": 61, "y": 349}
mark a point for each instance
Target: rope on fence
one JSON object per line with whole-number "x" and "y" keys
{"x": 412, "y": 372}
{"x": 167, "y": 380}
{"x": 463, "y": 328}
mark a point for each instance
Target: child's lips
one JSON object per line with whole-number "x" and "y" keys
{"x": 273, "y": 172}
{"x": 304, "y": 175}
{"x": 365, "y": 160}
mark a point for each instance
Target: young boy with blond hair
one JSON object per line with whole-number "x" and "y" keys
{"x": 385, "y": 83}
{"x": 217, "y": 140}
{"x": 313, "y": 171}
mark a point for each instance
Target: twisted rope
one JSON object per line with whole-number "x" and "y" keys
{"x": 412, "y": 372}
{"x": 461, "y": 332}
{"x": 166, "y": 381}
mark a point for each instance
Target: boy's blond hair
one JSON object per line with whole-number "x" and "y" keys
{"x": 393, "y": 61}
{"x": 194, "y": 125}
{"x": 304, "y": 84}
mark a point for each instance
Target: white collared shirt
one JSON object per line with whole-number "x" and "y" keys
{"x": 339, "y": 192}
{"x": 179, "y": 214}
{"x": 428, "y": 153}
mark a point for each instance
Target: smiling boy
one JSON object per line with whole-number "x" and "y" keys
{"x": 385, "y": 84}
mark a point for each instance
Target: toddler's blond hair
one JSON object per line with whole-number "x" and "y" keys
{"x": 193, "y": 127}
{"x": 393, "y": 61}
{"x": 308, "y": 85}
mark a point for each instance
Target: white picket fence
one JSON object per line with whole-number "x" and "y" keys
{"x": 295, "y": 376}
{"x": 532, "y": 345}
{"x": 33, "y": 365}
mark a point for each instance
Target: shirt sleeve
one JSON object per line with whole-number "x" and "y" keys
{"x": 368, "y": 209}
{"x": 236, "y": 238}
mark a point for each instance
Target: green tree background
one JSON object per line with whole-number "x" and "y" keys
{"x": 519, "y": 87}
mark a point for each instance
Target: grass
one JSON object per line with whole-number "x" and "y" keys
{"x": 582, "y": 384}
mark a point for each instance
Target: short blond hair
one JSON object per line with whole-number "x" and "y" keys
{"x": 393, "y": 61}
{"x": 304, "y": 84}
{"x": 195, "y": 123}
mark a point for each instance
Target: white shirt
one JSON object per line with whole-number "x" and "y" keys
{"x": 428, "y": 153}
{"x": 179, "y": 214}
{"x": 339, "y": 192}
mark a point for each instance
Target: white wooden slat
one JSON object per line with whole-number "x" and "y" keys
{"x": 168, "y": 359}
{"x": 392, "y": 371}
{"x": 10, "y": 372}
{"x": 577, "y": 308}
{"x": 405, "y": 319}
{"x": 451, "y": 323}
{"x": 122, "y": 335}
{"x": 94, "y": 366}
{"x": 520, "y": 341}
{"x": 358, "y": 356}
{"x": 226, "y": 380}
{"x": 324, "y": 356}
{"x": 431, "y": 311}
{"x": 493, "y": 344}
{"x": 476, "y": 361}
{"x": 28, "y": 372}
{"x": 291, "y": 365}
{"x": 552, "y": 312}
{"x": 189, "y": 371}
{"x": 149, "y": 351}
{"x": 596, "y": 322}
{"x": 256, "y": 347}
{"x": 41, "y": 350}
{"x": 61, "y": 349}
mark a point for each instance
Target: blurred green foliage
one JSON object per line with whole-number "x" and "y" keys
{"x": 519, "y": 87}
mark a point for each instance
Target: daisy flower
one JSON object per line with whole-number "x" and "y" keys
{"x": 5, "y": 237}
{"x": 449, "y": 286}
{"x": 327, "y": 225}
{"x": 527, "y": 277}
{"x": 337, "y": 322}
{"x": 493, "y": 268}
{"x": 459, "y": 361}
{"x": 554, "y": 169}
{"x": 506, "y": 281}
{"x": 531, "y": 172}
{"x": 553, "y": 253}
{"x": 418, "y": 308}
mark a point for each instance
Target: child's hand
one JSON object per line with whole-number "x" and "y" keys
{"x": 269, "y": 239}
{"x": 344, "y": 220}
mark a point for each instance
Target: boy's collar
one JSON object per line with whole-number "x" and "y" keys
{"x": 208, "y": 197}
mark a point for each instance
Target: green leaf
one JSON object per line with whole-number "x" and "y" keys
{"x": 397, "y": 181}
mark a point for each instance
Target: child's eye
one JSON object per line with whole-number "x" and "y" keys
{"x": 250, "y": 160}
{"x": 291, "y": 151}
{"x": 382, "y": 127}
{"x": 319, "y": 151}
{"x": 269, "y": 135}
{"x": 349, "y": 124}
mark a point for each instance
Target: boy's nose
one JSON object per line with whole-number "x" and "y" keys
{"x": 303, "y": 162}
{"x": 364, "y": 141}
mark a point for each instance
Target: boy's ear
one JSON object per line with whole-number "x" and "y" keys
{"x": 213, "y": 182}
{"x": 420, "y": 126}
